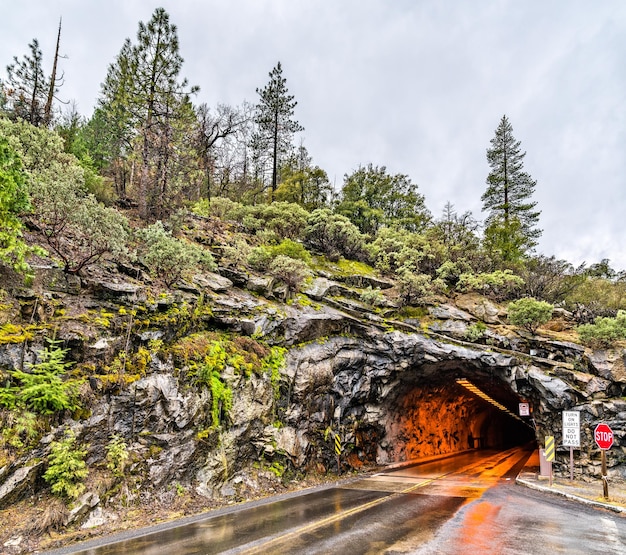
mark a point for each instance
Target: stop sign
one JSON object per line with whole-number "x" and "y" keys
{"x": 603, "y": 436}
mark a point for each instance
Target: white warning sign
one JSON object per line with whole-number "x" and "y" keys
{"x": 571, "y": 428}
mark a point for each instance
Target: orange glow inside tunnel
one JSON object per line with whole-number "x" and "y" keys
{"x": 452, "y": 416}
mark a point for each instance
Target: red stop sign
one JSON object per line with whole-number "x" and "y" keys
{"x": 603, "y": 436}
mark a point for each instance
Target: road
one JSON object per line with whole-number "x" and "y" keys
{"x": 463, "y": 504}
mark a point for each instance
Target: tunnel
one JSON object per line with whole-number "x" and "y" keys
{"x": 449, "y": 408}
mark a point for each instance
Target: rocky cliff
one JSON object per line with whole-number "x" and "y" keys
{"x": 222, "y": 374}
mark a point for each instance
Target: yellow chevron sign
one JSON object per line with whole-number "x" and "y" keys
{"x": 337, "y": 444}
{"x": 549, "y": 448}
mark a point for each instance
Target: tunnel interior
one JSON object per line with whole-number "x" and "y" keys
{"x": 436, "y": 415}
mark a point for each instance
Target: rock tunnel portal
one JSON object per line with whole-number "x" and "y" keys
{"x": 438, "y": 415}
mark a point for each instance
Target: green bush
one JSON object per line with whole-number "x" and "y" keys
{"x": 475, "y": 331}
{"x": 413, "y": 287}
{"x": 20, "y": 429}
{"x": 13, "y": 201}
{"x": 272, "y": 363}
{"x": 290, "y": 248}
{"x": 370, "y": 296}
{"x": 290, "y": 271}
{"x": 529, "y": 313}
{"x": 397, "y": 248}
{"x": 334, "y": 235}
{"x": 236, "y": 254}
{"x": 77, "y": 228}
{"x": 168, "y": 257}
{"x": 500, "y": 285}
{"x": 260, "y": 258}
{"x": 66, "y": 467}
{"x": 219, "y": 207}
{"x": 287, "y": 219}
{"x": 604, "y": 331}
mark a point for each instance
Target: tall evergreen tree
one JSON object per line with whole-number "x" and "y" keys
{"x": 512, "y": 218}
{"x": 149, "y": 106}
{"x": 275, "y": 120}
{"x": 27, "y": 88}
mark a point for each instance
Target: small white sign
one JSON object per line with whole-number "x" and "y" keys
{"x": 571, "y": 428}
{"x": 524, "y": 409}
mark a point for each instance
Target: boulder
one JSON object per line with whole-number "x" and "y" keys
{"x": 214, "y": 282}
{"x": 479, "y": 307}
{"x": 82, "y": 506}
{"x": 18, "y": 483}
{"x": 119, "y": 291}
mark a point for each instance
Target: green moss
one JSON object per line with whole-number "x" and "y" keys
{"x": 345, "y": 267}
{"x": 303, "y": 300}
{"x": 273, "y": 363}
{"x": 412, "y": 312}
{"x": 10, "y": 333}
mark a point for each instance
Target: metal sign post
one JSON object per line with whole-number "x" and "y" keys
{"x": 604, "y": 440}
{"x": 571, "y": 435}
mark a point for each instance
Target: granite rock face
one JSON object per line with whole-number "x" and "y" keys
{"x": 389, "y": 389}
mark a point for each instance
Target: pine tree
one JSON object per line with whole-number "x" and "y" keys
{"x": 148, "y": 107}
{"x": 274, "y": 118}
{"x": 27, "y": 87}
{"x": 511, "y": 224}
{"x": 42, "y": 389}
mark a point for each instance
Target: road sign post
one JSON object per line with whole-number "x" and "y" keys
{"x": 603, "y": 436}
{"x": 338, "y": 450}
{"x": 571, "y": 435}
{"x": 549, "y": 451}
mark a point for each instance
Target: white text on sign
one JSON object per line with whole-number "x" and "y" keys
{"x": 571, "y": 428}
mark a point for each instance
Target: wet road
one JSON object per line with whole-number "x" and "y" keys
{"x": 462, "y": 504}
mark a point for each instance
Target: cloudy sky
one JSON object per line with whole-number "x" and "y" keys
{"x": 418, "y": 86}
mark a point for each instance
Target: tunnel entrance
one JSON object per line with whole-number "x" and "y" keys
{"x": 438, "y": 414}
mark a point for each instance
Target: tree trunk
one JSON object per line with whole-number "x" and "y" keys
{"x": 47, "y": 113}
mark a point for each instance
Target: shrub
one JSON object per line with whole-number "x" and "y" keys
{"x": 475, "y": 331}
{"x": 208, "y": 373}
{"x": 449, "y": 272}
{"x": 260, "y": 258}
{"x": 604, "y": 331}
{"x": 20, "y": 429}
{"x": 220, "y": 207}
{"x": 500, "y": 285}
{"x": 290, "y": 271}
{"x": 291, "y": 249}
{"x": 235, "y": 255}
{"x": 413, "y": 287}
{"x": 371, "y": 296}
{"x": 334, "y": 235}
{"x": 273, "y": 363}
{"x": 66, "y": 467}
{"x": 287, "y": 219}
{"x": 529, "y": 313}
{"x": 13, "y": 201}
{"x": 168, "y": 257}
{"x": 394, "y": 248}
{"x": 77, "y": 228}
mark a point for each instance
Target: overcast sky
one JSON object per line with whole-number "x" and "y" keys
{"x": 418, "y": 86}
